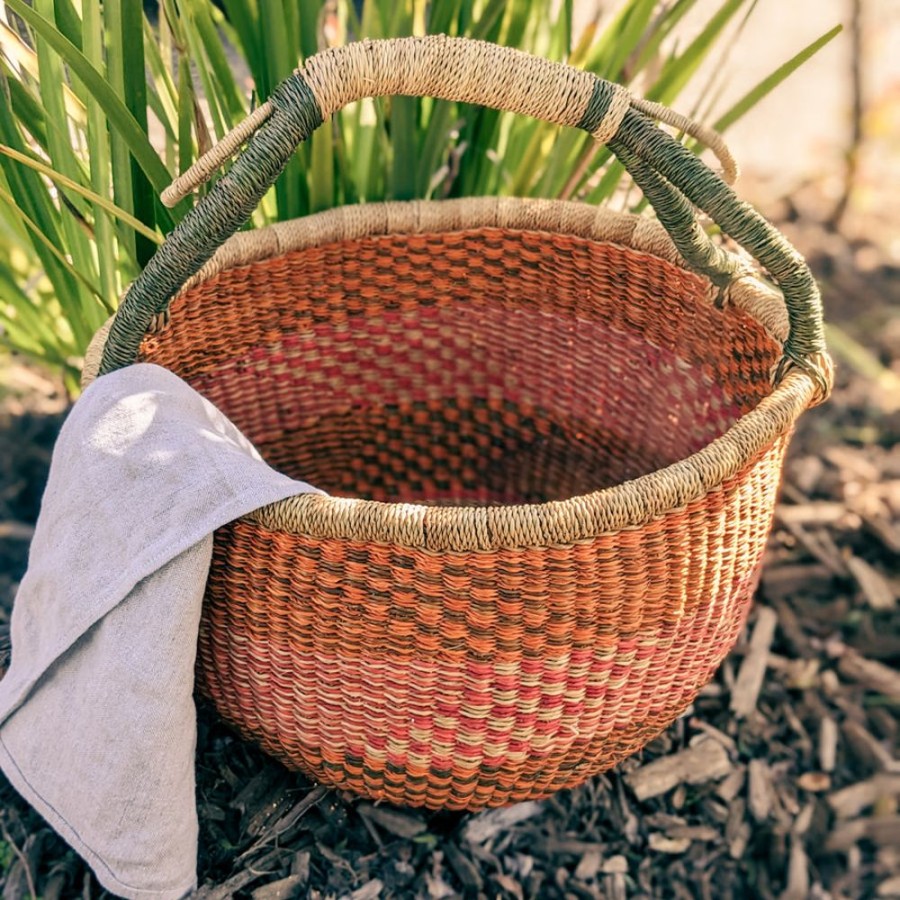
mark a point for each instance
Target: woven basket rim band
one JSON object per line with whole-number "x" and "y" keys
{"x": 630, "y": 504}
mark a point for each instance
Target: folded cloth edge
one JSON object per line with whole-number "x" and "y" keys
{"x": 67, "y": 832}
{"x": 235, "y": 500}
{"x": 143, "y": 566}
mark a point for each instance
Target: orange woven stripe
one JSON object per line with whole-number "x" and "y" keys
{"x": 467, "y": 680}
{"x": 485, "y": 366}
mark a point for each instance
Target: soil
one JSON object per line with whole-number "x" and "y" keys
{"x": 782, "y": 781}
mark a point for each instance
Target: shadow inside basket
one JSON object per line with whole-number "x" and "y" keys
{"x": 491, "y": 366}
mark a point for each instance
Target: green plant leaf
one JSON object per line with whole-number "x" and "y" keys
{"x": 105, "y": 204}
{"x": 120, "y": 118}
{"x": 678, "y": 71}
{"x": 767, "y": 85}
{"x": 52, "y": 80}
{"x": 42, "y": 238}
{"x": 29, "y": 195}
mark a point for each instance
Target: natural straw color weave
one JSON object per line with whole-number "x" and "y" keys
{"x": 549, "y": 433}
{"x": 541, "y": 354}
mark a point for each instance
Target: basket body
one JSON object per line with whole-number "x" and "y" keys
{"x": 485, "y": 378}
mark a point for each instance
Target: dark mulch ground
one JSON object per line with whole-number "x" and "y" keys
{"x": 782, "y": 781}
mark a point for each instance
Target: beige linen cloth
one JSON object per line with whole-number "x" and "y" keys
{"x": 97, "y": 718}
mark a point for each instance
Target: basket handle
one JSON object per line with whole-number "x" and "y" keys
{"x": 673, "y": 178}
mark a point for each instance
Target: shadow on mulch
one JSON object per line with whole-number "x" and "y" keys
{"x": 26, "y": 444}
{"x": 782, "y": 781}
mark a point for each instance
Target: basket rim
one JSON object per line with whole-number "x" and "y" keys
{"x": 628, "y": 505}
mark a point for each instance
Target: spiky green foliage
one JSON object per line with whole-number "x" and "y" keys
{"x": 100, "y": 108}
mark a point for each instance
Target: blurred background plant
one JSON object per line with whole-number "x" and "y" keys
{"x": 102, "y": 103}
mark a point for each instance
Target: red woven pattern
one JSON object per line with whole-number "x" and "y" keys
{"x": 487, "y": 366}
{"x": 466, "y": 680}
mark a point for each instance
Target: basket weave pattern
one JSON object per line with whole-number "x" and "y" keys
{"x": 451, "y": 682}
{"x": 494, "y": 366}
{"x": 551, "y": 437}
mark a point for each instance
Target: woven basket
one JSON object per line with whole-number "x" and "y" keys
{"x": 551, "y": 435}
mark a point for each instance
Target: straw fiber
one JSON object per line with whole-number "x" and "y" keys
{"x": 448, "y": 372}
{"x": 551, "y": 438}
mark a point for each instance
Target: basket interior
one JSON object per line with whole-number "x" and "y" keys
{"x": 487, "y": 366}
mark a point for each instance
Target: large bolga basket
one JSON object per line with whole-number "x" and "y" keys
{"x": 551, "y": 435}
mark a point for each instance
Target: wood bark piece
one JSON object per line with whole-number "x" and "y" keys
{"x": 401, "y": 824}
{"x": 853, "y": 462}
{"x": 287, "y": 821}
{"x": 239, "y": 881}
{"x": 828, "y": 740}
{"x": 872, "y": 675}
{"x": 663, "y": 844}
{"x": 753, "y": 668}
{"x": 791, "y": 629}
{"x": 875, "y": 587}
{"x": 798, "y": 872}
{"x": 616, "y": 886}
{"x": 805, "y": 473}
{"x": 851, "y": 801}
{"x": 781, "y": 582}
{"x": 589, "y": 865}
{"x": 884, "y": 529}
{"x": 484, "y": 826}
{"x": 884, "y": 831}
{"x": 733, "y": 784}
{"x": 821, "y": 512}
{"x": 16, "y": 531}
{"x": 283, "y": 889}
{"x": 890, "y": 887}
{"x": 868, "y": 749}
{"x": 814, "y": 782}
{"x": 821, "y": 545}
{"x": 466, "y": 871}
{"x": 759, "y": 790}
{"x": 368, "y": 891}
{"x": 711, "y": 731}
{"x": 705, "y": 761}
{"x": 615, "y": 865}
{"x": 693, "y": 832}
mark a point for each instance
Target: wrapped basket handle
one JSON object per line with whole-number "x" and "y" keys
{"x": 672, "y": 177}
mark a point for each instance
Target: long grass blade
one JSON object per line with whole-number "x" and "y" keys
{"x": 120, "y": 119}
{"x": 29, "y": 195}
{"x": 134, "y": 83}
{"x": 21, "y": 58}
{"x": 280, "y": 56}
{"x": 104, "y": 203}
{"x": 68, "y": 21}
{"x": 185, "y": 115}
{"x": 665, "y": 24}
{"x": 24, "y": 316}
{"x": 28, "y": 111}
{"x": 98, "y": 140}
{"x": 164, "y": 88}
{"x": 767, "y": 85}
{"x": 442, "y": 15}
{"x": 52, "y": 78}
{"x": 222, "y": 80}
{"x": 42, "y": 238}
{"x": 244, "y": 18}
{"x": 678, "y": 71}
